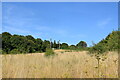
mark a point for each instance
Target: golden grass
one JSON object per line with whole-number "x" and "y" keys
{"x": 0, "y": 66}
{"x": 64, "y": 65}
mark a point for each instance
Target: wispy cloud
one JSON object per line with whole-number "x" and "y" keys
{"x": 15, "y": 23}
{"x": 12, "y": 17}
{"x": 55, "y": 30}
{"x": 16, "y": 26}
{"x": 25, "y": 25}
{"x": 104, "y": 23}
{"x": 58, "y": 31}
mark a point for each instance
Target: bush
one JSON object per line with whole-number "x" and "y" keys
{"x": 0, "y": 51}
{"x": 49, "y": 52}
{"x": 99, "y": 49}
{"x": 15, "y": 51}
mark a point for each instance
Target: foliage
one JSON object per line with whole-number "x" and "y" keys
{"x": 0, "y": 41}
{"x": 6, "y": 43}
{"x": 28, "y": 44}
{"x": 0, "y": 50}
{"x": 97, "y": 49}
{"x": 72, "y": 47}
{"x": 64, "y": 46}
{"x": 55, "y": 44}
{"x": 23, "y": 44}
{"x": 110, "y": 43}
{"x": 49, "y": 52}
{"x": 15, "y": 51}
{"x": 82, "y": 44}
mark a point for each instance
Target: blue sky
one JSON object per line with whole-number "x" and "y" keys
{"x": 68, "y": 22}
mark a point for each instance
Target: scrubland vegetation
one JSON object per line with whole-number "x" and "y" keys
{"x": 71, "y": 61}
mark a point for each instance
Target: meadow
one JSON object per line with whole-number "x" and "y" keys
{"x": 65, "y": 64}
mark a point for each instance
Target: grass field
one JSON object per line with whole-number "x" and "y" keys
{"x": 66, "y": 64}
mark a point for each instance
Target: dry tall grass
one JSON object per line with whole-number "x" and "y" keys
{"x": 0, "y": 66}
{"x": 64, "y": 65}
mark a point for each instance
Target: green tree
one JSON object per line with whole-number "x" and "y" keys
{"x": 6, "y": 44}
{"x": 82, "y": 44}
{"x": 31, "y": 46}
{"x": 72, "y": 47}
{"x": 38, "y": 44}
{"x": 110, "y": 43}
{"x": 19, "y": 43}
{"x": 64, "y": 46}
{"x": 58, "y": 44}
{"x": 46, "y": 43}
{"x": 0, "y": 41}
{"x": 29, "y": 37}
{"x": 14, "y": 51}
{"x": 54, "y": 44}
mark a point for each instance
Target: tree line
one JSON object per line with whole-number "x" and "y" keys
{"x": 16, "y": 44}
{"x": 28, "y": 44}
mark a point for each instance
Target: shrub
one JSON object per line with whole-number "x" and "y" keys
{"x": 99, "y": 49}
{"x": 62, "y": 52}
{"x": 15, "y": 51}
{"x": 1, "y": 51}
{"x": 82, "y": 44}
{"x": 49, "y": 52}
